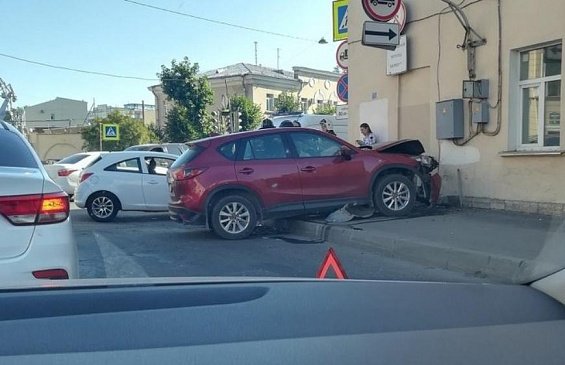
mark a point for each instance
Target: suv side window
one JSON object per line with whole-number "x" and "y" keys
{"x": 313, "y": 145}
{"x": 131, "y": 165}
{"x": 229, "y": 150}
{"x": 269, "y": 147}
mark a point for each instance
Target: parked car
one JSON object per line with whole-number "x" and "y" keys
{"x": 66, "y": 172}
{"x": 128, "y": 180}
{"x": 172, "y": 148}
{"x": 230, "y": 183}
{"x": 37, "y": 240}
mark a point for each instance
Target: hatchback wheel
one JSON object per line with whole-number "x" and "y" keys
{"x": 395, "y": 195}
{"x": 103, "y": 207}
{"x": 233, "y": 217}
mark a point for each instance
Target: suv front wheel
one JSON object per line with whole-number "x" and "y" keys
{"x": 395, "y": 195}
{"x": 233, "y": 217}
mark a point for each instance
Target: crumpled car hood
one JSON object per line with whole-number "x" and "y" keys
{"x": 412, "y": 147}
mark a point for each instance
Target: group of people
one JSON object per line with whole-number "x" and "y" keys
{"x": 368, "y": 137}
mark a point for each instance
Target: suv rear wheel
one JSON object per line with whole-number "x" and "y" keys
{"x": 395, "y": 195}
{"x": 233, "y": 217}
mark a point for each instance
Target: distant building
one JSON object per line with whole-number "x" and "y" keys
{"x": 262, "y": 85}
{"x": 144, "y": 112}
{"x": 57, "y": 113}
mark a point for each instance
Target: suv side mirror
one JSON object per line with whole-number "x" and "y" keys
{"x": 345, "y": 153}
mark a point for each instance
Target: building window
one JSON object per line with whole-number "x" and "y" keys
{"x": 540, "y": 95}
{"x": 304, "y": 104}
{"x": 270, "y": 102}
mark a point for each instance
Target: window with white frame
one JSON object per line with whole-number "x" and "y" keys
{"x": 270, "y": 102}
{"x": 540, "y": 95}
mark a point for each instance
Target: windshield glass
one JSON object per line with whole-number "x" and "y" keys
{"x": 425, "y": 145}
{"x": 73, "y": 159}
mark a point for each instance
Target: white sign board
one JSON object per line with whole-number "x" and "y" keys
{"x": 342, "y": 112}
{"x": 379, "y": 34}
{"x": 397, "y": 60}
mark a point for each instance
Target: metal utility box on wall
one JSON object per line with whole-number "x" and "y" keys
{"x": 450, "y": 119}
{"x": 480, "y": 112}
{"x": 476, "y": 89}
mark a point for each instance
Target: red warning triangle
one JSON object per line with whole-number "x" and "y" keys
{"x": 332, "y": 261}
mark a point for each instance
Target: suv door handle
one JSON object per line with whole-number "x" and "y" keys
{"x": 308, "y": 169}
{"x": 246, "y": 171}
{"x": 153, "y": 182}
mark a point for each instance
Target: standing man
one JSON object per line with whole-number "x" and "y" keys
{"x": 327, "y": 127}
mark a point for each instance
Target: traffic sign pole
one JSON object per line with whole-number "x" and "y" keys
{"x": 100, "y": 132}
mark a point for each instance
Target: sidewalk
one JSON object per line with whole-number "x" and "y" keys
{"x": 504, "y": 246}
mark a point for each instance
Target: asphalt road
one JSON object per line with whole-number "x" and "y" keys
{"x": 150, "y": 245}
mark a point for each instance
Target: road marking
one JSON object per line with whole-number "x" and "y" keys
{"x": 117, "y": 263}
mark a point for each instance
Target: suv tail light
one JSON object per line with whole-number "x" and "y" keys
{"x": 35, "y": 209}
{"x": 85, "y": 176}
{"x": 65, "y": 172}
{"x": 187, "y": 173}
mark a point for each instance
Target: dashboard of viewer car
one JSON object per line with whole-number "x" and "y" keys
{"x": 279, "y": 321}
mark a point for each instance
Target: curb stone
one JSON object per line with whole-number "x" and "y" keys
{"x": 496, "y": 267}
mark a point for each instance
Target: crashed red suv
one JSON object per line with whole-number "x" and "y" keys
{"x": 231, "y": 183}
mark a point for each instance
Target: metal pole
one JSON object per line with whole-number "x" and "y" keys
{"x": 255, "y": 53}
{"x": 100, "y": 130}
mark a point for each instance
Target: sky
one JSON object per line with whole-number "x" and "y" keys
{"x": 126, "y": 39}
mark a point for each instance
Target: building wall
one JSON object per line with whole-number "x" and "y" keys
{"x": 317, "y": 90}
{"x": 404, "y": 106}
{"x": 74, "y": 111}
{"x": 56, "y": 146}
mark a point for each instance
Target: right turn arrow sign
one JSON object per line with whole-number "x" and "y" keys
{"x": 378, "y": 34}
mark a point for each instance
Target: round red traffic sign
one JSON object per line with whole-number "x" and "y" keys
{"x": 381, "y": 10}
{"x": 400, "y": 18}
{"x": 342, "y": 55}
{"x": 343, "y": 88}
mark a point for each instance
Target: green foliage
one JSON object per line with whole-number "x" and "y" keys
{"x": 191, "y": 94}
{"x": 287, "y": 103}
{"x": 325, "y": 109}
{"x": 250, "y": 112}
{"x": 158, "y": 134}
{"x": 132, "y": 132}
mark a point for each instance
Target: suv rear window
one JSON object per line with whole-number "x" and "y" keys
{"x": 190, "y": 154}
{"x": 73, "y": 159}
{"x": 14, "y": 152}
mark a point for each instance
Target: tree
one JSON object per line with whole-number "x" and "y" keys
{"x": 132, "y": 132}
{"x": 159, "y": 134}
{"x": 287, "y": 103}
{"x": 191, "y": 94}
{"x": 250, "y": 112}
{"x": 325, "y": 109}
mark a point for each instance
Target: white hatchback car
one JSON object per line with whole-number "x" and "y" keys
{"x": 129, "y": 180}
{"x": 66, "y": 172}
{"x": 36, "y": 237}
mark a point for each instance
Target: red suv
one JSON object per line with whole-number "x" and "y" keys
{"x": 232, "y": 182}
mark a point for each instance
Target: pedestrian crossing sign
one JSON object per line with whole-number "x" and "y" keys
{"x": 340, "y": 20}
{"x": 110, "y": 132}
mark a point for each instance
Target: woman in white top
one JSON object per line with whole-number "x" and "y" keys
{"x": 369, "y": 137}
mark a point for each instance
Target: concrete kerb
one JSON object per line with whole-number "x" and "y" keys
{"x": 496, "y": 267}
